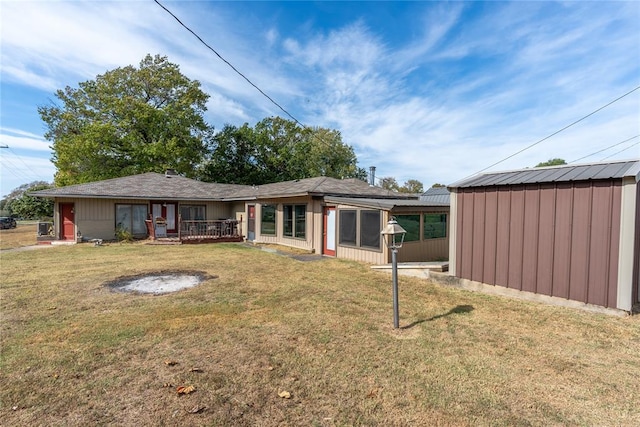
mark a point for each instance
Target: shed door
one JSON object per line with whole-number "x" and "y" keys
{"x": 329, "y": 231}
{"x": 68, "y": 229}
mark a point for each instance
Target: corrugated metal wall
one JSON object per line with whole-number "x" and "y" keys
{"x": 558, "y": 239}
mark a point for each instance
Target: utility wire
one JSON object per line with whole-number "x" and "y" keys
{"x": 556, "y": 132}
{"x": 229, "y": 64}
{"x": 605, "y": 149}
{"x": 624, "y": 149}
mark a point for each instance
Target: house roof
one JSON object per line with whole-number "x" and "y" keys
{"x": 153, "y": 186}
{"x": 563, "y": 173}
{"x": 156, "y": 186}
{"x": 438, "y": 195}
{"x": 384, "y": 204}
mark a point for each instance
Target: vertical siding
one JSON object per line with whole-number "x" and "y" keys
{"x": 562, "y": 240}
{"x": 466, "y": 235}
{"x": 502, "y": 237}
{"x": 530, "y": 239}
{"x": 546, "y": 232}
{"x": 635, "y": 295}
{"x": 558, "y": 239}
{"x": 491, "y": 235}
{"x": 580, "y": 237}
{"x": 477, "y": 259}
{"x": 516, "y": 235}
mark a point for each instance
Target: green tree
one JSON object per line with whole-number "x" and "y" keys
{"x": 438, "y": 185}
{"x": 29, "y": 207}
{"x": 551, "y": 162}
{"x": 129, "y": 120}
{"x": 389, "y": 183}
{"x": 278, "y": 150}
{"x": 412, "y": 186}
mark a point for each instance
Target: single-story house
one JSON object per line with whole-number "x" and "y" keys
{"x": 571, "y": 232}
{"x": 334, "y": 217}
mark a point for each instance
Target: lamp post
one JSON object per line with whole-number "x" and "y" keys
{"x": 393, "y": 235}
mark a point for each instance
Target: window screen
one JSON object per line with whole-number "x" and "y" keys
{"x": 411, "y": 223}
{"x": 370, "y": 229}
{"x": 268, "y": 220}
{"x": 347, "y": 232}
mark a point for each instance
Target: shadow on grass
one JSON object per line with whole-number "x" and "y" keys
{"x": 459, "y": 309}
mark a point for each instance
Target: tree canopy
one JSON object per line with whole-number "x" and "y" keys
{"x": 129, "y": 120}
{"x": 275, "y": 150}
{"x": 20, "y": 204}
{"x": 551, "y": 162}
{"x": 410, "y": 186}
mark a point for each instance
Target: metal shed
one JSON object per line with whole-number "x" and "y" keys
{"x": 569, "y": 231}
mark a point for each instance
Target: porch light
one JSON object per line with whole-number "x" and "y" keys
{"x": 393, "y": 235}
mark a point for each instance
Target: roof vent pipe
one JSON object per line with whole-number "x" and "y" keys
{"x": 170, "y": 173}
{"x": 372, "y": 176}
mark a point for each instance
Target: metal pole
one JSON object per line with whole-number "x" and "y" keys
{"x": 394, "y": 276}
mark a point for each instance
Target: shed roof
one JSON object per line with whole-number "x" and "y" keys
{"x": 436, "y": 195}
{"x": 563, "y": 173}
{"x": 384, "y": 204}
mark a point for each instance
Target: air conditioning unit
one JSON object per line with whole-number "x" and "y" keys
{"x": 45, "y": 228}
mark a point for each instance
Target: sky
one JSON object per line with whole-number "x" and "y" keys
{"x": 428, "y": 90}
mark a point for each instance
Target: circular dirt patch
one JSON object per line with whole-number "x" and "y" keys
{"x": 160, "y": 282}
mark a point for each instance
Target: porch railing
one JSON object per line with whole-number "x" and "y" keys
{"x": 223, "y": 229}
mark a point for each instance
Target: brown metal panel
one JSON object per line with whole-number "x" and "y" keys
{"x": 562, "y": 240}
{"x": 478, "y": 235}
{"x": 580, "y": 238}
{"x": 598, "y": 264}
{"x": 490, "y": 236}
{"x": 466, "y": 259}
{"x": 546, "y": 233}
{"x": 502, "y": 237}
{"x": 516, "y": 236}
{"x": 614, "y": 252}
{"x": 459, "y": 228}
{"x": 531, "y": 228}
{"x": 635, "y": 295}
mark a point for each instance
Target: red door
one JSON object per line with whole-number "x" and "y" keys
{"x": 68, "y": 229}
{"x": 168, "y": 211}
{"x": 251, "y": 224}
{"x": 329, "y": 231}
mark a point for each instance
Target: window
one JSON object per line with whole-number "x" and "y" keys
{"x": 192, "y": 212}
{"x": 268, "y": 220}
{"x": 360, "y": 228}
{"x": 435, "y": 226}
{"x": 131, "y": 218}
{"x": 411, "y": 223}
{"x": 295, "y": 220}
{"x": 370, "y": 229}
{"x": 347, "y": 232}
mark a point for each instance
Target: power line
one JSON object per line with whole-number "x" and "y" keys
{"x": 624, "y": 149}
{"x": 556, "y": 132}
{"x": 605, "y": 149}
{"x": 229, "y": 64}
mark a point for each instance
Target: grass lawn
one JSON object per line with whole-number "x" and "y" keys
{"x": 76, "y": 353}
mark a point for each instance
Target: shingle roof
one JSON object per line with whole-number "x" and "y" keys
{"x": 145, "y": 186}
{"x": 156, "y": 186}
{"x": 581, "y": 172}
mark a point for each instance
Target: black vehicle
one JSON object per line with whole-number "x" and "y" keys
{"x": 7, "y": 222}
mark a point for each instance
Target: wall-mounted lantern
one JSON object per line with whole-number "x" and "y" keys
{"x": 393, "y": 235}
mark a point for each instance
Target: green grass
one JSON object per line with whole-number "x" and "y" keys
{"x": 76, "y": 353}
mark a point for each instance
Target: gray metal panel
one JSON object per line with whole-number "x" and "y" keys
{"x": 584, "y": 172}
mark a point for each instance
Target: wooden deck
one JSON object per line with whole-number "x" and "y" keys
{"x": 199, "y": 231}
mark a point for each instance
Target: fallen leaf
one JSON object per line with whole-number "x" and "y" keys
{"x": 170, "y": 362}
{"x": 196, "y": 409}
{"x": 285, "y": 395}
{"x": 186, "y": 390}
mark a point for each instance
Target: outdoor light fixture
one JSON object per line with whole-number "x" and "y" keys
{"x": 393, "y": 235}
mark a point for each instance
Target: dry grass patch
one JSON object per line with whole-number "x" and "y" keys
{"x": 76, "y": 353}
{"x": 24, "y": 234}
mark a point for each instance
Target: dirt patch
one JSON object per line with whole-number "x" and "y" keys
{"x": 159, "y": 282}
